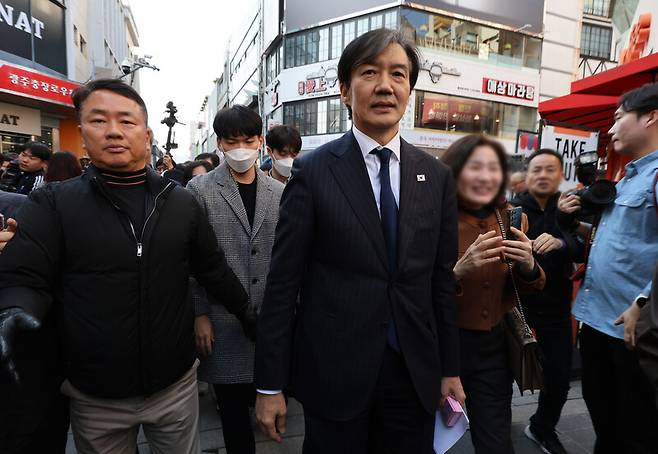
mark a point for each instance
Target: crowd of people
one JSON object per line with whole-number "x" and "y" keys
{"x": 366, "y": 279}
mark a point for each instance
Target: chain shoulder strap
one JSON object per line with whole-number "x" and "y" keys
{"x": 519, "y": 306}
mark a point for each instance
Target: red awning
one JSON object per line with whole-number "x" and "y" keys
{"x": 593, "y": 100}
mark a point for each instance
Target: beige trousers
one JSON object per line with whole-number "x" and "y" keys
{"x": 169, "y": 418}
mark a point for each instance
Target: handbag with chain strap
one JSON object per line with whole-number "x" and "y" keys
{"x": 522, "y": 346}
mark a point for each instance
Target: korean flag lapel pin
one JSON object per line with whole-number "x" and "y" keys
{"x": 420, "y": 177}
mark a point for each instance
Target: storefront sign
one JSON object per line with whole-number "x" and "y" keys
{"x": 34, "y": 30}
{"x": 570, "y": 143}
{"x": 319, "y": 82}
{"x": 437, "y": 69}
{"x": 25, "y": 82}
{"x": 508, "y": 89}
{"x": 18, "y": 119}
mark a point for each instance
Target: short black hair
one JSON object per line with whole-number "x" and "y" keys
{"x": 117, "y": 86}
{"x": 642, "y": 100}
{"x": 284, "y": 137}
{"x": 236, "y": 121}
{"x": 190, "y": 166}
{"x": 542, "y": 151}
{"x": 212, "y": 156}
{"x": 368, "y": 46}
{"x": 460, "y": 151}
{"x": 38, "y": 150}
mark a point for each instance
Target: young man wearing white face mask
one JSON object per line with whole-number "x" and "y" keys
{"x": 242, "y": 205}
{"x": 283, "y": 145}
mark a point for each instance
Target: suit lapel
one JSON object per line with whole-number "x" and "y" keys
{"x": 350, "y": 172}
{"x": 407, "y": 209}
{"x": 263, "y": 199}
{"x": 229, "y": 190}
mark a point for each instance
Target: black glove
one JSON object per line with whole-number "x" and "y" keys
{"x": 248, "y": 319}
{"x": 10, "y": 320}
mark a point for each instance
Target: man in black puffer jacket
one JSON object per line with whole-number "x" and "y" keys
{"x": 549, "y": 312}
{"x": 109, "y": 254}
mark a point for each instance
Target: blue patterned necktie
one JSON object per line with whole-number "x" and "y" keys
{"x": 389, "y": 214}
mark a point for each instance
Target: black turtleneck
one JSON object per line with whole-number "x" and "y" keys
{"x": 129, "y": 192}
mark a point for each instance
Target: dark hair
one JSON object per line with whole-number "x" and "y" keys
{"x": 189, "y": 167}
{"x": 62, "y": 166}
{"x": 284, "y": 137}
{"x": 236, "y": 121}
{"x": 642, "y": 100}
{"x": 542, "y": 151}
{"x": 38, "y": 150}
{"x": 460, "y": 151}
{"x": 212, "y": 156}
{"x": 116, "y": 86}
{"x": 368, "y": 46}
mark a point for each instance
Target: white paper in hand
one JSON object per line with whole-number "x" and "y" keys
{"x": 446, "y": 437}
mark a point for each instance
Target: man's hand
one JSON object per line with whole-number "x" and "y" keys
{"x": 168, "y": 162}
{"x": 546, "y": 243}
{"x": 569, "y": 203}
{"x": 7, "y": 234}
{"x": 271, "y": 415}
{"x": 10, "y": 320}
{"x": 204, "y": 335}
{"x": 452, "y": 386}
{"x": 629, "y": 318}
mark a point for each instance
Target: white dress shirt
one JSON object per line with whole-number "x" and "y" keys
{"x": 373, "y": 165}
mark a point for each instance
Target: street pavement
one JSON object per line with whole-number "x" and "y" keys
{"x": 575, "y": 428}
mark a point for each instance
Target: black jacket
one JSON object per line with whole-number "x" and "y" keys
{"x": 330, "y": 249}
{"x": 120, "y": 300}
{"x": 555, "y": 298}
{"x": 27, "y": 182}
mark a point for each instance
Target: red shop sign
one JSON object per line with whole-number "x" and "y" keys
{"x": 26, "y": 82}
{"x": 508, "y": 89}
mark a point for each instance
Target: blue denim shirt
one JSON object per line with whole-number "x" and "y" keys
{"x": 624, "y": 253}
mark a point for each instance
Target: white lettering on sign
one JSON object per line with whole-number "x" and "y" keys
{"x": 508, "y": 89}
{"x": 30, "y": 25}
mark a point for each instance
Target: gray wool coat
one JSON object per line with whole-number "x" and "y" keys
{"x": 248, "y": 251}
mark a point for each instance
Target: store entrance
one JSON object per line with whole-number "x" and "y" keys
{"x": 10, "y": 142}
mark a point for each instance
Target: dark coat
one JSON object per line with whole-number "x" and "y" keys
{"x": 119, "y": 296}
{"x": 330, "y": 249}
{"x": 555, "y": 299}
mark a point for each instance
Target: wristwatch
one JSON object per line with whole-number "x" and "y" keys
{"x": 641, "y": 301}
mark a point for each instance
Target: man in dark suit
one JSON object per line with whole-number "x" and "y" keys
{"x": 367, "y": 237}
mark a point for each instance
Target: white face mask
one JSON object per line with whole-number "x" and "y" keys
{"x": 283, "y": 166}
{"x": 241, "y": 159}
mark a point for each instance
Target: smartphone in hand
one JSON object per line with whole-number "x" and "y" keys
{"x": 514, "y": 220}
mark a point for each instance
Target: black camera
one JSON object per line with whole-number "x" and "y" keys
{"x": 597, "y": 192}
{"x": 10, "y": 177}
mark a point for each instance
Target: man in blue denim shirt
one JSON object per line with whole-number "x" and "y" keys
{"x": 617, "y": 282}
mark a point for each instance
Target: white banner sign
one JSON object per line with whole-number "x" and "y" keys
{"x": 570, "y": 143}
{"x": 19, "y": 119}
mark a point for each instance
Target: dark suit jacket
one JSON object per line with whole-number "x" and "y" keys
{"x": 330, "y": 249}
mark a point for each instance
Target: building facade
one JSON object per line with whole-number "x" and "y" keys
{"x": 48, "y": 48}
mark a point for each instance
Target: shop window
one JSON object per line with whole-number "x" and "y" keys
{"x": 348, "y": 27}
{"x": 312, "y": 47}
{"x": 361, "y": 26}
{"x": 454, "y": 36}
{"x": 391, "y": 20}
{"x": 457, "y": 114}
{"x": 312, "y": 117}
